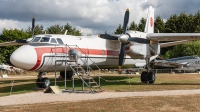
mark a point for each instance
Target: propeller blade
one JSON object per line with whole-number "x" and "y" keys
{"x": 123, "y": 38}
{"x": 33, "y": 25}
{"x": 21, "y": 41}
{"x": 121, "y": 54}
{"x": 109, "y": 37}
{"x": 126, "y": 18}
{"x": 139, "y": 40}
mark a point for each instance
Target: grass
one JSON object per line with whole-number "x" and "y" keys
{"x": 188, "y": 103}
{"x": 118, "y": 83}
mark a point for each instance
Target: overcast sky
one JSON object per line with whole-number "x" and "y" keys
{"x": 89, "y": 16}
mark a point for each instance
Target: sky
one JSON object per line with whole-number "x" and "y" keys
{"x": 88, "y": 16}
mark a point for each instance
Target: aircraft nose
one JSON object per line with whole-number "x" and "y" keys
{"x": 24, "y": 57}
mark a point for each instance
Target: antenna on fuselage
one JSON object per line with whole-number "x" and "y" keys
{"x": 66, "y": 32}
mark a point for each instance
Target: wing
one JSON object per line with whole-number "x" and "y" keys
{"x": 173, "y": 36}
{"x": 167, "y": 44}
{"x": 16, "y": 42}
{"x": 169, "y": 63}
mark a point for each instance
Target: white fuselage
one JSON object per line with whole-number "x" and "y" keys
{"x": 41, "y": 55}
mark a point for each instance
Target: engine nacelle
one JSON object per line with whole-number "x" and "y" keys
{"x": 74, "y": 54}
{"x": 142, "y": 51}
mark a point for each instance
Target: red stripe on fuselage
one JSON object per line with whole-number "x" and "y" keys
{"x": 42, "y": 50}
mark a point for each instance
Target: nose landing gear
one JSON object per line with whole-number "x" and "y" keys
{"x": 42, "y": 82}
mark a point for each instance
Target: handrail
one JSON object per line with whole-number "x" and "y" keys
{"x": 65, "y": 49}
{"x": 87, "y": 60}
{"x": 84, "y": 54}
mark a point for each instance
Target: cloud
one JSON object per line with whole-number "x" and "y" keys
{"x": 8, "y": 24}
{"x": 97, "y": 16}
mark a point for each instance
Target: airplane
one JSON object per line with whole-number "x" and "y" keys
{"x": 108, "y": 51}
{"x": 186, "y": 63}
{"x": 8, "y": 69}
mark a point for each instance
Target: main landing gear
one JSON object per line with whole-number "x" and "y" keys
{"x": 69, "y": 74}
{"x": 148, "y": 76}
{"x": 42, "y": 82}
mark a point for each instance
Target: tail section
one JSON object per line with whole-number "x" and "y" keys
{"x": 149, "y": 27}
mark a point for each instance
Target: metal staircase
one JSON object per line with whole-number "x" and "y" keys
{"x": 80, "y": 63}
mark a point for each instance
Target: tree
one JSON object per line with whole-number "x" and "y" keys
{"x": 119, "y": 30}
{"x": 170, "y": 25}
{"x": 141, "y": 25}
{"x": 187, "y": 49}
{"x": 13, "y": 34}
{"x": 159, "y": 25}
{"x": 10, "y": 35}
{"x": 133, "y": 26}
{"x": 71, "y": 30}
{"x": 191, "y": 24}
{"x": 196, "y": 22}
{"x": 182, "y": 23}
{"x": 38, "y": 30}
{"x": 57, "y": 29}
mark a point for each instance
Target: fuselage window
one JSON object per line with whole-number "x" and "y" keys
{"x": 36, "y": 39}
{"x": 59, "y": 41}
{"x": 53, "y": 40}
{"x": 45, "y": 39}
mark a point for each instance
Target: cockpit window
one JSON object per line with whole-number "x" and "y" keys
{"x": 59, "y": 41}
{"x": 45, "y": 39}
{"x": 53, "y": 40}
{"x": 36, "y": 39}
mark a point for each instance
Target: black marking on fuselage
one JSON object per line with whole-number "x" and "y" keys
{"x": 80, "y": 57}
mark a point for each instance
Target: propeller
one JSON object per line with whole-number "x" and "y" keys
{"x": 32, "y": 30}
{"x": 123, "y": 38}
{"x": 108, "y": 37}
{"x": 33, "y": 26}
{"x": 21, "y": 41}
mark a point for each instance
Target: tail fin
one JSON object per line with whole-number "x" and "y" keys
{"x": 149, "y": 27}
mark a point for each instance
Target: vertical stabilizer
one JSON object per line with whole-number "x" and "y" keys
{"x": 149, "y": 27}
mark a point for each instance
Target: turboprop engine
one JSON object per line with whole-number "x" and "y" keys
{"x": 142, "y": 51}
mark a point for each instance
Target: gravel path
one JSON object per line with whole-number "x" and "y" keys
{"x": 40, "y": 97}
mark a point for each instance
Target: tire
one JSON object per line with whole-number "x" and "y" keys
{"x": 151, "y": 77}
{"x": 69, "y": 74}
{"x": 144, "y": 78}
{"x": 45, "y": 82}
{"x": 39, "y": 83}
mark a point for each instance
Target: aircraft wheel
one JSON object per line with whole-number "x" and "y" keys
{"x": 144, "y": 77}
{"x": 39, "y": 83}
{"x": 151, "y": 77}
{"x": 69, "y": 74}
{"x": 45, "y": 82}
